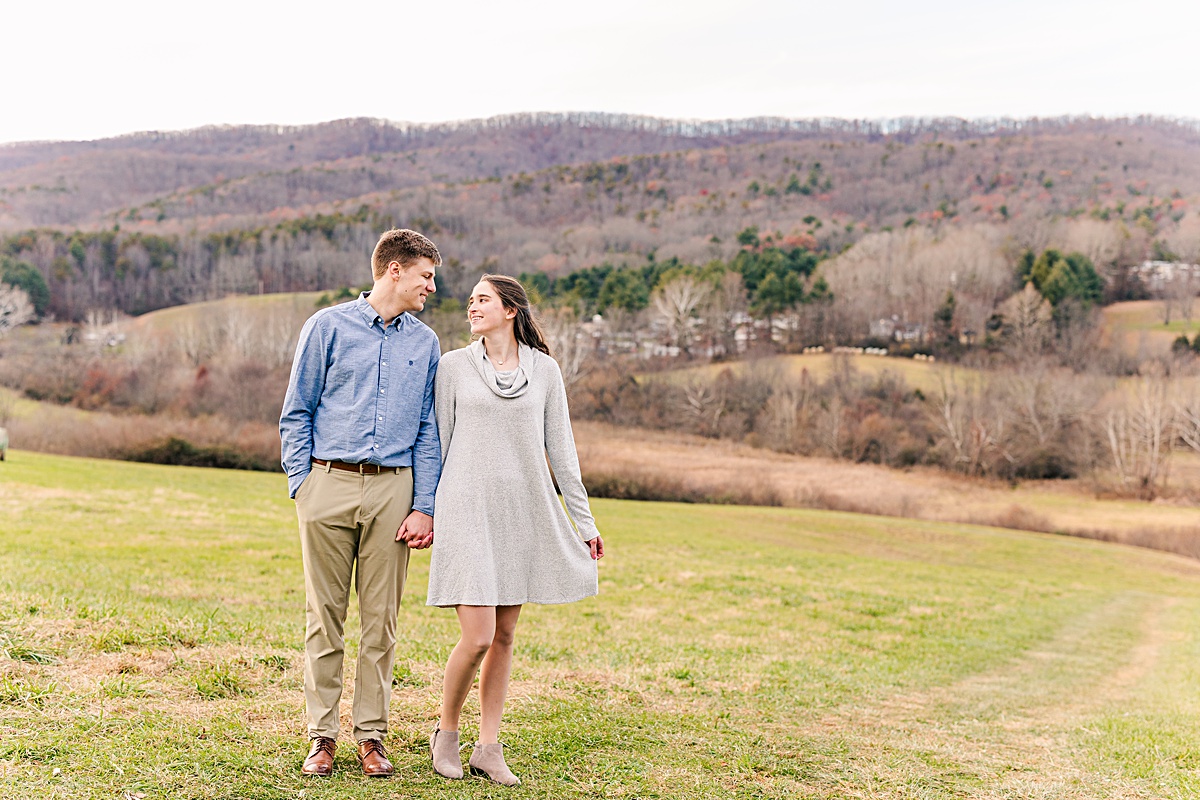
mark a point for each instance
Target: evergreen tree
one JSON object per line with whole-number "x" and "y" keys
{"x": 623, "y": 288}
{"x": 26, "y": 277}
{"x": 943, "y": 318}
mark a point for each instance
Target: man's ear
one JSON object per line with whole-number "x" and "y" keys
{"x": 393, "y": 269}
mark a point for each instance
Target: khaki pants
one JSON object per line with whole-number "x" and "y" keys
{"x": 347, "y": 518}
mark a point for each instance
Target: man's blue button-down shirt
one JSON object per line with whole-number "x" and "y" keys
{"x": 363, "y": 392}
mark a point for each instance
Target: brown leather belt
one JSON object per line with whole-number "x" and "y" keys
{"x": 361, "y": 469}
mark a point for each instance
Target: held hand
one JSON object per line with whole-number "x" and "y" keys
{"x": 417, "y": 530}
{"x": 597, "y": 547}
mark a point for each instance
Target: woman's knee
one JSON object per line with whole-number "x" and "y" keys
{"x": 478, "y": 626}
{"x": 475, "y": 645}
{"x": 504, "y": 637}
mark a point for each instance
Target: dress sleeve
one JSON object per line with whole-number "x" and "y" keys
{"x": 443, "y": 401}
{"x": 427, "y": 453}
{"x": 560, "y": 447}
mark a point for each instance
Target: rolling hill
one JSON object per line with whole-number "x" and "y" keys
{"x": 150, "y": 220}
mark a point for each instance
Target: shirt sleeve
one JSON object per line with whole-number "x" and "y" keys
{"x": 560, "y": 447}
{"x": 300, "y": 403}
{"x": 427, "y": 450}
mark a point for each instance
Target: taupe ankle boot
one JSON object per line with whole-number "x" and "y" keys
{"x": 488, "y": 759}
{"x": 444, "y": 747}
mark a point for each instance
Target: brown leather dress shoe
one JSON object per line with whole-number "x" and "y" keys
{"x": 320, "y": 757}
{"x": 374, "y": 759}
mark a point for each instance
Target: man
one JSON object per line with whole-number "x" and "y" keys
{"x": 361, "y": 451}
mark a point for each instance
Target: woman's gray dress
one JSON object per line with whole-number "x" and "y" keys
{"x": 500, "y": 535}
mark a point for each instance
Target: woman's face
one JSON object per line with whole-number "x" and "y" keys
{"x": 485, "y": 312}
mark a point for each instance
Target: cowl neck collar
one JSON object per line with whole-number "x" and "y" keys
{"x": 487, "y": 370}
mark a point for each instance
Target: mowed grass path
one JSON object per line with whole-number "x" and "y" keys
{"x": 151, "y": 623}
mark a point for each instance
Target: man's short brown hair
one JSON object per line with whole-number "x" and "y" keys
{"x": 405, "y": 246}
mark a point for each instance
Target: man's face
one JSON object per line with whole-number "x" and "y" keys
{"x": 415, "y": 284}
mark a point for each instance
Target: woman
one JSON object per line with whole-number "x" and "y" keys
{"x": 501, "y": 538}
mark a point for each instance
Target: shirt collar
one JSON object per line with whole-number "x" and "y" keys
{"x": 371, "y": 316}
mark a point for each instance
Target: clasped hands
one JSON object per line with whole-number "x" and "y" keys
{"x": 416, "y": 531}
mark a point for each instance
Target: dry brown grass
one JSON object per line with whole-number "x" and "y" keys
{"x": 63, "y": 430}
{"x": 699, "y": 469}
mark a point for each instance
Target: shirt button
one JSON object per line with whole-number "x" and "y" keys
{"x": 410, "y": 363}
{"x": 379, "y": 418}
{"x": 376, "y": 447}
{"x": 385, "y": 363}
{"x": 383, "y": 391}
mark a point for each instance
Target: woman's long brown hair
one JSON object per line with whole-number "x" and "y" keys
{"x": 513, "y": 295}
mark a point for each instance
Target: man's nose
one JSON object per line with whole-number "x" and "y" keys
{"x": 432, "y": 288}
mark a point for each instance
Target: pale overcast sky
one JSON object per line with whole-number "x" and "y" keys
{"x": 85, "y": 70}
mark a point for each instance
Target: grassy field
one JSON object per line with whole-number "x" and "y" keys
{"x": 302, "y": 303}
{"x": 1137, "y": 326}
{"x": 151, "y": 617}
{"x": 923, "y": 375}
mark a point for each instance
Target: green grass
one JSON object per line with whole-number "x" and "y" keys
{"x": 151, "y": 623}
{"x": 1146, "y": 315}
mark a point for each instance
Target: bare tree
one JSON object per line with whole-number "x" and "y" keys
{"x": 568, "y": 342}
{"x": 785, "y": 415}
{"x": 676, "y": 304}
{"x": 280, "y": 329}
{"x": 723, "y": 309}
{"x": 1139, "y": 433}
{"x": 969, "y": 423}
{"x": 243, "y": 332}
{"x": 1027, "y": 319}
{"x": 1181, "y": 292}
{"x": 1045, "y": 408}
{"x": 1187, "y": 422}
{"x": 199, "y": 337}
{"x": 831, "y": 425}
{"x": 15, "y": 308}
{"x": 703, "y": 405}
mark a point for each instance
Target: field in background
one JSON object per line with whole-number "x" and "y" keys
{"x": 923, "y": 375}
{"x": 151, "y": 619}
{"x": 194, "y": 313}
{"x": 1137, "y": 325}
{"x": 674, "y": 465}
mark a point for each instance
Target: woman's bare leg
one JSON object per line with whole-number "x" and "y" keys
{"x": 478, "y": 625}
{"x": 493, "y": 680}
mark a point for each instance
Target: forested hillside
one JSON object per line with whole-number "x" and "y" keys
{"x": 151, "y": 220}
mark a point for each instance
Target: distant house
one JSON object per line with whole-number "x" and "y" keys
{"x": 893, "y": 328}
{"x": 1158, "y": 275}
{"x": 883, "y": 328}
